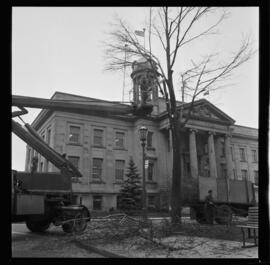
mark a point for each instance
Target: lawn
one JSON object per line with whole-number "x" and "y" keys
{"x": 191, "y": 240}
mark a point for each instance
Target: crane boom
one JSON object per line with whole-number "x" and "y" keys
{"x": 87, "y": 107}
{"x": 82, "y": 107}
{"x": 44, "y": 149}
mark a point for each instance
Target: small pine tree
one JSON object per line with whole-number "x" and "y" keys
{"x": 131, "y": 192}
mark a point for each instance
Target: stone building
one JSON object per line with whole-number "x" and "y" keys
{"x": 213, "y": 148}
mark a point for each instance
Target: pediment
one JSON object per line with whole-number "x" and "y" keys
{"x": 203, "y": 109}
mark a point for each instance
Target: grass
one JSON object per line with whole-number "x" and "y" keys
{"x": 211, "y": 231}
{"x": 117, "y": 238}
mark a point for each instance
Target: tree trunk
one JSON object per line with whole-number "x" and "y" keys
{"x": 176, "y": 199}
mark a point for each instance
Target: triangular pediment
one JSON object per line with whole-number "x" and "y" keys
{"x": 203, "y": 109}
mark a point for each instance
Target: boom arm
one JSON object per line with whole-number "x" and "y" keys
{"x": 82, "y": 107}
{"x": 29, "y": 136}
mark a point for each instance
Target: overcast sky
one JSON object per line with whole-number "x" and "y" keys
{"x": 60, "y": 49}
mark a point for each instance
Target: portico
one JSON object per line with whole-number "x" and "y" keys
{"x": 206, "y": 158}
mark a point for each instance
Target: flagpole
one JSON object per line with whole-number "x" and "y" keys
{"x": 124, "y": 79}
{"x": 150, "y": 31}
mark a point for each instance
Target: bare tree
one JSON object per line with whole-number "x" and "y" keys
{"x": 173, "y": 28}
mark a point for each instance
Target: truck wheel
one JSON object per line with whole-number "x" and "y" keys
{"x": 200, "y": 218}
{"x": 38, "y": 226}
{"x": 199, "y": 215}
{"x": 223, "y": 214}
{"x": 79, "y": 224}
{"x": 67, "y": 227}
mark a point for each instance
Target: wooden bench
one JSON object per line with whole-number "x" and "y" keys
{"x": 252, "y": 225}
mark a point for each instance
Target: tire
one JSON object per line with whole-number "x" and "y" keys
{"x": 223, "y": 214}
{"x": 199, "y": 215}
{"x": 77, "y": 226}
{"x": 67, "y": 228}
{"x": 39, "y": 226}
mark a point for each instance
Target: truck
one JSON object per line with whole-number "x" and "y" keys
{"x": 231, "y": 196}
{"x": 43, "y": 198}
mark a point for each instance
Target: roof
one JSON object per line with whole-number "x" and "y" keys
{"x": 239, "y": 130}
{"x": 203, "y": 110}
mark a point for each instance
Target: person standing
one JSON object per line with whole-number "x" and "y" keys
{"x": 209, "y": 207}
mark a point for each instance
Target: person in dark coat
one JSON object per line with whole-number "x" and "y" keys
{"x": 209, "y": 208}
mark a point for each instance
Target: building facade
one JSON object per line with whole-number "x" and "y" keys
{"x": 212, "y": 147}
{"x": 101, "y": 148}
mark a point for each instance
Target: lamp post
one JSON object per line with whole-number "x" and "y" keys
{"x": 143, "y": 136}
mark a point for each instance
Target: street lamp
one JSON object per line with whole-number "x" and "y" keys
{"x": 143, "y": 136}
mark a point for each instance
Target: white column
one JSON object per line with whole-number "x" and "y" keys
{"x": 212, "y": 155}
{"x": 228, "y": 156}
{"x": 193, "y": 154}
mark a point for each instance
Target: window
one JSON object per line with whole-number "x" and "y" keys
{"x": 98, "y": 137}
{"x": 97, "y": 168}
{"x": 254, "y": 156}
{"x": 223, "y": 171}
{"x": 74, "y": 160}
{"x": 150, "y": 171}
{"x": 45, "y": 165}
{"x": 119, "y": 170}
{"x": 28, "y": 155}
{"x": 151, "y": 200}
{"x": 242, "y": 154}
{"x": 41, "y": 166}
{"x": 232, "y": 153}
{"x": 169, "y": 141}
{"x": 244, "y": 174}
{"x": 206, "y": 149}
{"x": 119, "y": 139}
{"x": 222, "y": 148}
{"x": 149, "y": 139}
{"x": 206, "y": 171}
{"x": 49, "y": 136}
{"x": 234, "y": 174}
{"x": 97, "y": 202}
{"x": 256, "y": 178}
{"x": 74, "y": 134}
{"x": 118, "y": 202}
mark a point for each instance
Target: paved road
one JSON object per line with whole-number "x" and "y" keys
{"x": 53, "y": 243}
